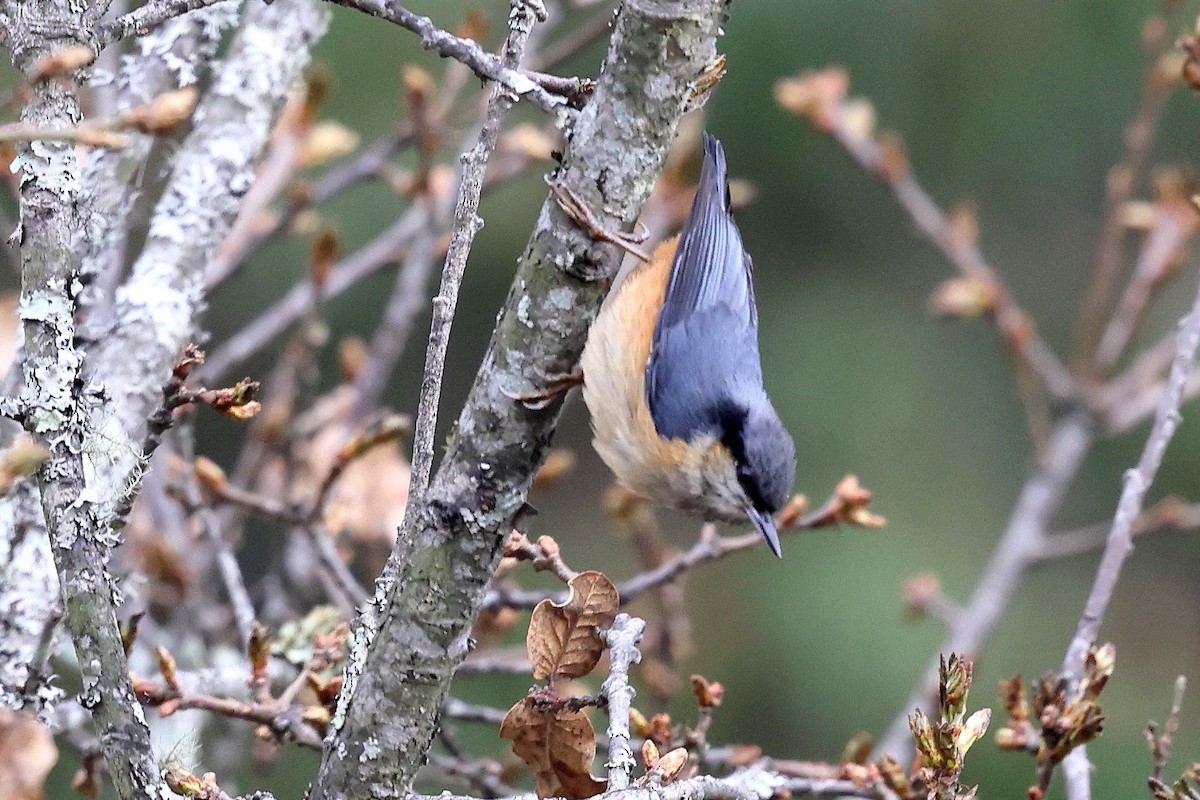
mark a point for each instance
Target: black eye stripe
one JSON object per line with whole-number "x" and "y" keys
{"x": 733, "y": 421}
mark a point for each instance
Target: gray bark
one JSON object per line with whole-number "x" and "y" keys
{"x": 91, "y": 413}
{"x": 407, "y": 644}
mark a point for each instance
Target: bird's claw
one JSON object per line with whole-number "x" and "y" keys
{"x": 585, "y": 218}
{"x": 556, "y": 386}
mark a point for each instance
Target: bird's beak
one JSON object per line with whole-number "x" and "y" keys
{"x": 766, "y": 526}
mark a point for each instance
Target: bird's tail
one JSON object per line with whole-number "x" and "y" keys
{"x": 711, "y": 268}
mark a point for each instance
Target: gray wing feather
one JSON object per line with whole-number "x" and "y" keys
{"x": 704, "y": 355}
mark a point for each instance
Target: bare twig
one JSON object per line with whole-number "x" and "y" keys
{"x": 1122, "y": 180}
{"x": 366, "y": 165}
{"x": 1171, "y": 513}
{"x": 1174, "y": 226}
{"x": 227, "y": 565}
{"x": 283, "y": 719}
{"x": 520, "y": 83}
{"x": 1027, "y": 527}
{"x": 622, "y": 640}
{"x": 384, "y": 249}
{"x": 144, "y": 19}
{"x": 1120, "y": 537}
{"x": 822, "y": 98}
{"x": 1160, "y": 743}
{"x": 399, "y": 315}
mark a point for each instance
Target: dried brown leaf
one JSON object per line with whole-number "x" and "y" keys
{"x": 563, "y": 640}
{"x": 559, "y": 746}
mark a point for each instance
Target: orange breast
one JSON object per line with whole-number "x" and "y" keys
{"x": 696, "y": 477}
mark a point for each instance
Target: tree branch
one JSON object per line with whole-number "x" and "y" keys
{"x": 519, "y": 82}
{"x": 62, "y": 413}
{"x": 407, "y": 645}
{"x": 622, "y": 640}
{"x": 1120, "y": 537}
{"x": 146, "y": 18}
{"x": 1017, "y": 548}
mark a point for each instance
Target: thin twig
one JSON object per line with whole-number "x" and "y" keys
{"x": 1022, "y": 538}
{"x": 281, "y": 717}
{"x": 1174, "y": 226}
{"x": 392, "y": 334}
{"x": 1170, "y": 513}
{"x": 1120, "y": 537}
{"x": 467, "y": 224}
{"x": 231, "y": 574}
{"x": 384, "y": 249}
{"x": 521, "y": 83}
{"x": 622, "y": 640}
{"x": 366, "y": 165}
{"x": 576, "y": 40}
{"x": 830, "y": 113}
{"x": 1119, "y": 187}
{"x": 1160, "y": 743}
{"x": 353, "y": 594}
{"x": 142, "y": 20}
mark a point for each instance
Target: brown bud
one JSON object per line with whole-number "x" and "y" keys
{"x": 316, "y": 717}
{"x": 325, "y": 251}
{"x": 61, "y": 62}
{"x": 893, "y": 157}
{"x": 164, "y": 113}
{"x": 210, "y": 475}
{"x": 918, "y": 595}
{"x": 559, "y": 462}
{"x": 166, "y": 666}
{"x": 792, "y": 511}
{"x": 474, "y": 26}
{"x": 965, "y": 298}
{"x": 709, "y": 694}
{"x": 352, "y": 355}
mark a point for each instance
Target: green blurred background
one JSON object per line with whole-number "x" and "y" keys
{"x": 1015, "y": 105}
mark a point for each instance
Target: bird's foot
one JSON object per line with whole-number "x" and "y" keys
{"x": 585, "y": 218}
{"x": 705, "y": 82}
{"x": 556, "y": 386}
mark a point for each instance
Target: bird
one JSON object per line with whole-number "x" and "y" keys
{"x": 672, "y": 375}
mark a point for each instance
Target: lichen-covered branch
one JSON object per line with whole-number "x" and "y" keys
{"x": 169, "y": 57}
{"x": 622, "y": 640}
{"x": 92, "y": 440}
{"x": 158, "y": 307}
{"x": 61, "y": 411}
{"x": 447, "y": 45}
{"x": 145, "y": 19}
{"x": 748, "y": 784}
{"x": 29, "y": 599}
{"x": 408, "y": 644}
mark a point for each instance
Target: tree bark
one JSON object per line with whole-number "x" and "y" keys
{"x": 408, "y": 642}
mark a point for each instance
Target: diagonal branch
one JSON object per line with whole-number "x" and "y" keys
{"x": 544, "y": 90}
{"x": 431, "y": 591}
{"x": 1120, "y": 537}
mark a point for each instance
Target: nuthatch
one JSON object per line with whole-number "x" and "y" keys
{"x": 673, "y": 379}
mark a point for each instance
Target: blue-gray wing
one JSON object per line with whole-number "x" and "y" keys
{"x": 711, "y": 267}
{"x": 704, "y": 354}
